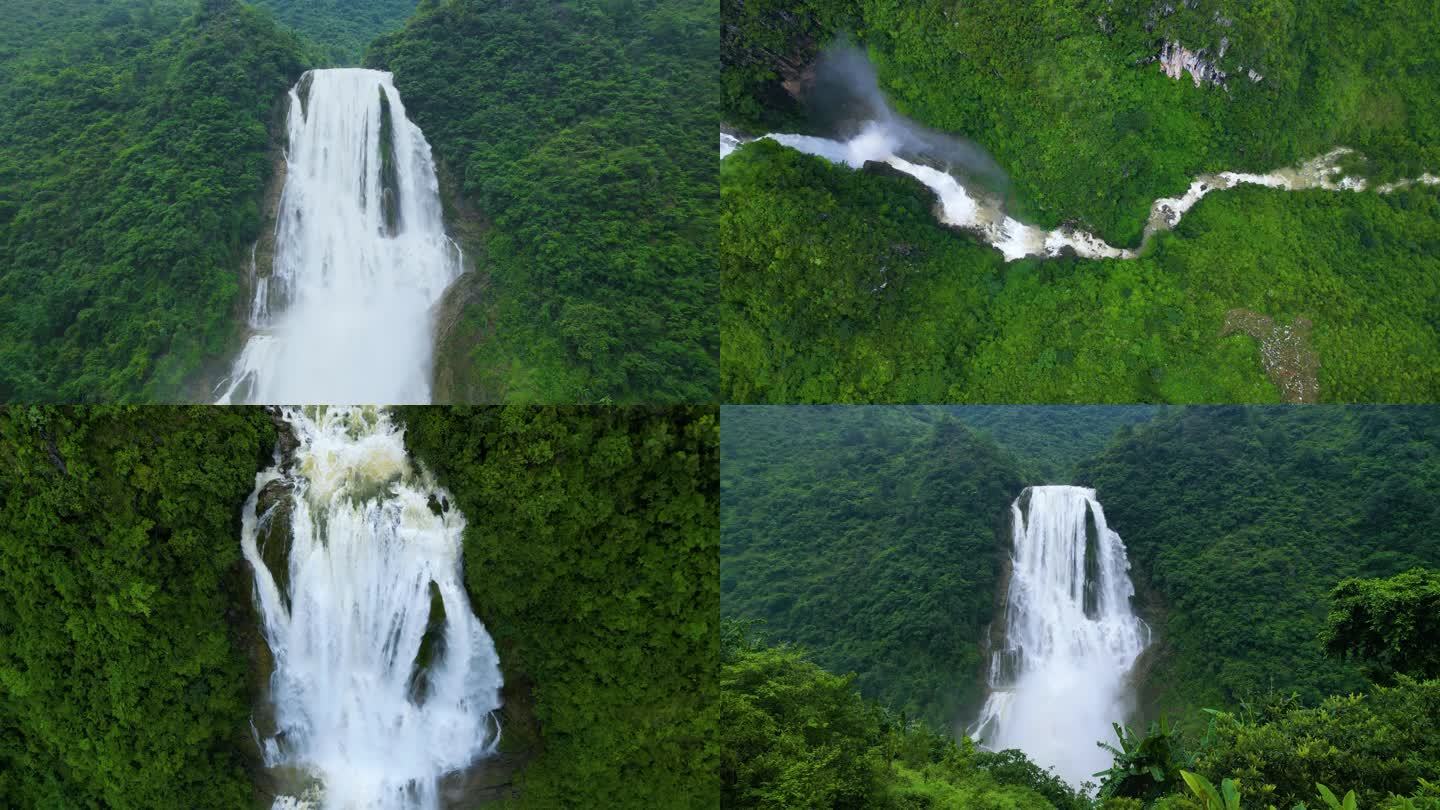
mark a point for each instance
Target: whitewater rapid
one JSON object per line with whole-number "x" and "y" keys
{"x": 1060, "y": 678}
{"x": 372, "y": 542}
{"x": 344, "y": 313}
{"x": 974, "y": 210}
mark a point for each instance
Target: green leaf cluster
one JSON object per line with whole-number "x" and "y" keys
{"x": 1390, "y": 624}
{"x": 1380, "y": 744}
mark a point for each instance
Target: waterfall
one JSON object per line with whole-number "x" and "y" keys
{"x": 361, "y": 255}
{"x": 384, "y": 680}
{"x": 1071, "y": 639}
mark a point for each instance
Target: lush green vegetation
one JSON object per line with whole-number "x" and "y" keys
{"x": 1061, "y": 94}
{"x": 838, "y": 286}
{"x": 1052, "y": 440}
{"x": 137, "y": 145}
{"x": 794, "y": 735}
{"x": 591, "y": 556}
{"x": 1240, "y": 521}
{"x": 1376, "y": 744}
{"x": 340, "y": 29}
{"x": 122, "y": 683}
{"x": 875, "y": 538}
{"x": 1063, "y": 97}
{"x": 1388, "y": 623}
{"x": 1256, "y": 537}
{"x": 580, "y": 137}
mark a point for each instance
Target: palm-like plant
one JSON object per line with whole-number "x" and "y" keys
{"x": 1145, "y": 767}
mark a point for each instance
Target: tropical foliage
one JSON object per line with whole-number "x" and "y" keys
{"x": 794, "y": 735}
{"x": 137, "y": 145}
{"x": 340, "y": 29}
{"x": 122, "y": 676}
{"x": 875, "y": 538}
{"x": 580, "y": 138}
{"x": 591, "y": 556}
{"x": 839, "y": 286}
{"x": 1390, "y": 624}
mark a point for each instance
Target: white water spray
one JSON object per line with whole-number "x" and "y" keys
{"x": 1071, "y": 638}
{"x": 361, "y": 255}
{"x": 970, "y": 209}
{"x": 371, "y": 539}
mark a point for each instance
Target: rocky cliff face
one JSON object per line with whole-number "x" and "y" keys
{"x": 1176, "y": 60}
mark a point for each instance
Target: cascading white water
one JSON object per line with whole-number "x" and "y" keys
{"x": 1071, "y": 638}
{"x": 973, "y": 210}
{"x": 355, "y": 705}
{"x": 361, "y": 255}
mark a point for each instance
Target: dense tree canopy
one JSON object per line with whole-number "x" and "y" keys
{"x": 581, "y": 135}
{"x": 875, "y": 538}
{"x": 794, "y": 735}
{"x": 591, "y": 554}
{"x": 839, "y": 286}
{"x": 122, "y": 684}
{"x": 1389, "y": 624}
{"x": 1067, "y": 97}
{"x": 137, "y": 146}
{"x": 1376, "y": 744}
{"x": 1240, "y": 521}
{"x": 340, "y": 29}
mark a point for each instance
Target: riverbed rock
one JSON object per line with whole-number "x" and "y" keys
{"x": 1286, "y": 353}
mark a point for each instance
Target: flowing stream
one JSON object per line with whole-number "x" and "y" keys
{"x": 1071, "y": 639}
{"x": 384, "y": 680}
{"x": 971, "y": 209}
{"x": 344, "y": 312}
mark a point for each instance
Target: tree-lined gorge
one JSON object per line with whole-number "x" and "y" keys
{"x": 143, "y": 143}
{"x": 131, "y": 662}
{"x": 1283, "y": 558}
{"x": 839, "y": 285}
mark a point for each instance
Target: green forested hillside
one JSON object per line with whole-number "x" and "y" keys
{"x": 840, "y": 286}
{"x": 1052, "y": 440}
{"x": 122, "y": 681}
{"x": 342, "y": 29}
{"x": 580, "y": 138}
{"x": 794, "y": 735}
{"x": 873, "y": 537}
{"x": 807, "y": 246}
{"x": 1246, "y": 528}
{"x": 591, "y": 555}
{"x": 1239, "y": 522}
{"x": 137, "y": 145}
{"x": 1065, "y": 97}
